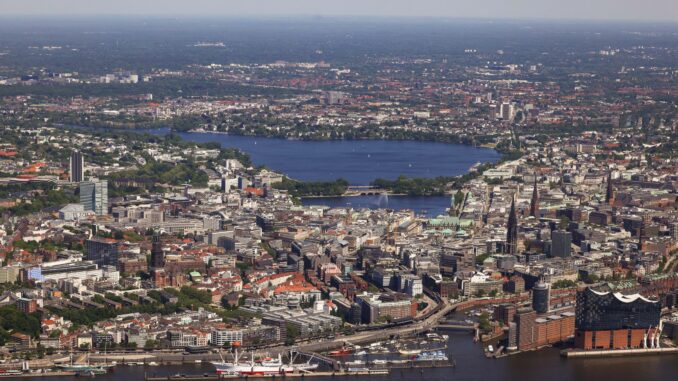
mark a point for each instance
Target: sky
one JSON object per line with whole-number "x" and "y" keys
{"x": 638, "y": 10}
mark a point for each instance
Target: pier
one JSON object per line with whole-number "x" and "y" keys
{"x": 569, "y": 353}
{"x": 328, "y": 361}
{"x": 385, "y": 371}
{"x": 368, "y": 372}
{"x": 63, "y": 373}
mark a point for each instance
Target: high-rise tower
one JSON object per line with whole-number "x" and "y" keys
{"x": 94, "y": 196}
{"x": 76, "y": 167}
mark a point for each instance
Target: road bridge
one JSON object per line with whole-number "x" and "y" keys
{"x": 362, "y": 190}
{"x": 457, "y": 325}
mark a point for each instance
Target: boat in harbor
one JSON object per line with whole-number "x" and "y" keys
{"x": 431, "y": 356}
{"x": 397, "y": 361}
{"x": 85, "y": 368}
{"x": 409, "y": 352}
{"x": 344, "y": 351}
{"x": 10, "y": 373}
{"x": 98, "y": 369}
{"x": 358, "y": 370}
{"x": 90, "y": 372}
{"x": 265, "y": 366}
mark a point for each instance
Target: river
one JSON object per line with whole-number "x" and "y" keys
{"x": 471, "y": 365}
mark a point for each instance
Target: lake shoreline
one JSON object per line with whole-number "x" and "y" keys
{"x": 491, "y": 159}
{"x": 360, "y": 162}
{"x": 311, "y": 139}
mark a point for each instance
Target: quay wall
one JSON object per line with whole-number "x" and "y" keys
{"x": 617, "y": 352}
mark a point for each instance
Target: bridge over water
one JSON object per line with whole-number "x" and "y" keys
{"x": 457, "y": 325}
{"x": 363, "y": 190}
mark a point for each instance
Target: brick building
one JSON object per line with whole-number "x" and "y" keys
{"x": 27, "y": 305}
{"x": 606, "y": 320}
{"x": 533, "y": 331}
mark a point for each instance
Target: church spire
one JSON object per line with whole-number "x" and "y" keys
{"x": 534, "y": 203}
{"x": 157, "y": 255}
{"x": 512, "y": 229}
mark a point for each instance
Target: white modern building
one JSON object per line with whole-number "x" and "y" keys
{"x": 94, "y": 196}
{"x": 74, "y": 212}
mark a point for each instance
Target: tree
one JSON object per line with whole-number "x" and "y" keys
{"x": 292, "y": 334}
{"x": 150, "y": 344}
{"x": 564, "y": 223}
{"x": 458, "y": 197}
{"x": 484, "y": 321}
{"x": 13, "y": 320}
{"x": 189, "y": 295}
{"x": 591, "y": 278}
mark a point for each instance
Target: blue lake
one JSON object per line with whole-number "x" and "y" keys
{"x": 358, "y": 161}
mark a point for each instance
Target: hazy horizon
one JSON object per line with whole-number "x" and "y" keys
{"x": 573, "y": 10}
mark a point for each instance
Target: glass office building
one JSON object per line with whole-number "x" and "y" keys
{"x": 597, "y": 311}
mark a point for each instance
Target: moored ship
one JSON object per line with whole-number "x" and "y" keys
{"x": 341, "y": 352}
{"x": 409, "y": 352}
{"x": 431, "y": 356}
{"x": 265, "y": 366}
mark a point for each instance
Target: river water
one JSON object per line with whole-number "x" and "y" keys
{"x": 471, "y": 365}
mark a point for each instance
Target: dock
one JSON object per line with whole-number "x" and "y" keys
{"x": 211, "y": 377}
{"x": 40, "y": 374}
{"x": 617, "y": 352}
{"x": 328, "y": 361}
{"x": 385, "y": 371}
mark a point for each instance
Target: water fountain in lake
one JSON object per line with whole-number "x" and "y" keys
{"x": 382, "y": 201}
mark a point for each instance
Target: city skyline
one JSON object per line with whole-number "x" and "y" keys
{"x": 623, "y": 10}
{"x": 369, "y": 189}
